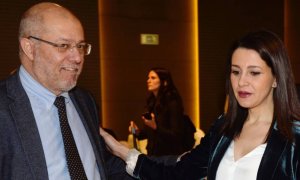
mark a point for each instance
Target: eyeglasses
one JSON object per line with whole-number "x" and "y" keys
{"x": 83, "y": 48}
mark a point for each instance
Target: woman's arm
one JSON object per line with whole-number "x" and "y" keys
{"x": 193, "y": 165}
{"x": 115, "y": 146}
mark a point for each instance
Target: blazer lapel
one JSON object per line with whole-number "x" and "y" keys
{"x": 219, "y": 150}
{"x": 275, "y": 146}
{"x": 85, "y": 112}
{"x": 27, "y": 128}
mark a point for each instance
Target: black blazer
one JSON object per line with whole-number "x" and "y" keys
{"x": 21, "y": 151}
{"x": 167, "y": 139}
{"x": 280, "y": 161}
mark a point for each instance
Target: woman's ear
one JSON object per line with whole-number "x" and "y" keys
{"x": 274, "y": 85}
{"x": 27, "y": 47}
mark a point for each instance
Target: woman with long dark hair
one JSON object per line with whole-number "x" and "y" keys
{"x": 258, "y": 137}
{"x": 164, "y": 125}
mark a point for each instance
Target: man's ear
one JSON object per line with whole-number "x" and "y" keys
{"x": 27, "y": 47}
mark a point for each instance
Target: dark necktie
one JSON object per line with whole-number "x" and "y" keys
{"x": 73, "y": 159}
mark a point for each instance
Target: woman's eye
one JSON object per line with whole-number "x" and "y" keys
{"x": 254, "y": 73}
{"x": 235, "y": 72}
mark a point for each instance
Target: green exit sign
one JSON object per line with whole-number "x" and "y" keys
{"x": 149, "y": 39}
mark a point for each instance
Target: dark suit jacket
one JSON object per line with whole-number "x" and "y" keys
{"x": 281, "y": 159}
{"x": 21, "y": 151}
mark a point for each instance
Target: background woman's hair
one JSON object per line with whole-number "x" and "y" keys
{"x": 166, "y": 90}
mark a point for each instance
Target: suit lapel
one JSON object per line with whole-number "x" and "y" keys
{"x": 275, "y": 146}
{"x": 27, "y": 128}
{"x": 85, "y": 112}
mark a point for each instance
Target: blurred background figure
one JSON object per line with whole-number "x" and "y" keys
{"x": 164, "y": 124}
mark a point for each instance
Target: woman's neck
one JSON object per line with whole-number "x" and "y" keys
{"x": 260, "y": 115}
{"x": 155, "y": 93}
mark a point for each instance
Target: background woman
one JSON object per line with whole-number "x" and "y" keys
{"x": 163, "y": 126}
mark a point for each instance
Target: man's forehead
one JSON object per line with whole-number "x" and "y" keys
{"x": 50, "y": 10}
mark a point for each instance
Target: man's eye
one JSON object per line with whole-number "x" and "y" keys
{"x": 64, "y": 46}
{"x": 81, "y": 46}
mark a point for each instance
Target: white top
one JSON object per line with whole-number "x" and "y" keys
{"x": 245, "y": 168}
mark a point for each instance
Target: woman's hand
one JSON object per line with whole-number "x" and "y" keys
{"x": 133, "y": 128}
{"x": 114, "y": 146}
{"x": 151, "y": 123}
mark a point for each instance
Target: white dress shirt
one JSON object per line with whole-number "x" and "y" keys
{"x": 47, "y": 120}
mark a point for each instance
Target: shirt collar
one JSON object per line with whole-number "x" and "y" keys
{"x": 38, "y": 91}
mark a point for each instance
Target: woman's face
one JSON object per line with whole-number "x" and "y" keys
{"x": 251, "y": 79}
{"x": 153, "y": 82}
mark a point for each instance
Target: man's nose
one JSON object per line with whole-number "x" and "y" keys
{"x": 76, "y": 54}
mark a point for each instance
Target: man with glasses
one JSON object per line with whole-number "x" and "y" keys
{"x": 48, "y": 126}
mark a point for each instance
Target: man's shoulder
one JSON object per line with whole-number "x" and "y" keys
{"x": 82, "y": 96}
{"x": 3, "y": 82}
{"x": 9, "y": 85}
{"x": 79, "y": 92}
{"x": 2, "y": 86}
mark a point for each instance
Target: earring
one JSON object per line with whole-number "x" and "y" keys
{"x": 274, "y": 85}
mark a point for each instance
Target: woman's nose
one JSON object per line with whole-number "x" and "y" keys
{"x": 243, "y": 80}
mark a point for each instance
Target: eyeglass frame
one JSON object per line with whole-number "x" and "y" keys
{"x": 65, "y": 46}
